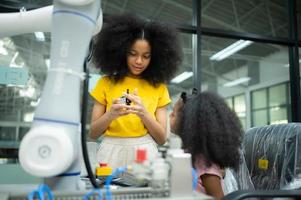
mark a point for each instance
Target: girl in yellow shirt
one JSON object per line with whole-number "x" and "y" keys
{"x": 138, "y": 58}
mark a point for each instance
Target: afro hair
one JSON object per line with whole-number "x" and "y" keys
{"x": 121, "y": 31}
{"x": 210, "y": 128}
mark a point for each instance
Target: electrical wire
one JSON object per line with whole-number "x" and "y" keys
{"x": 109, "y": 179}
{"x": 43, "y": 188}
{"x": 92, "y": 192}
{"x": 83, "y": 121}
{"x": 194, "y": 179}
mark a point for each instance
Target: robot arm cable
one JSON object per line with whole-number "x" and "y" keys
{"x": 83, "y": 125}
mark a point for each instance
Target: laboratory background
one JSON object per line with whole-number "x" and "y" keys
{"x": 247, "y": 51}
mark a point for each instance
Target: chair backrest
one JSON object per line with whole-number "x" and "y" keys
{"x": 273, "y": 154}
{"x": 239, "y": 179}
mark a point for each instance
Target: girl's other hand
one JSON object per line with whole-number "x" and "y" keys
{"x": 137, "y": 106}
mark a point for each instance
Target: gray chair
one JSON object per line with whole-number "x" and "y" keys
{"x": 273, "y": 155}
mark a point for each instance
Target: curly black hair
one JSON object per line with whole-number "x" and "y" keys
{"x": 210, "y": 128}
{"x": 121, "y": 31}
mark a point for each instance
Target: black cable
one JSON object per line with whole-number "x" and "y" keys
{"x": 83, "y": 122}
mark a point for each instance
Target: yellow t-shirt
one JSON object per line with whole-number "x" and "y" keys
{"x": 129, "y": 125}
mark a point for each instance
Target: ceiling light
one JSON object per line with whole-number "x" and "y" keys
{"x": 228, "y": 51}
{"x": 182, "y": 77}
{"x": 40, "y": 36}
{"x": 237, "y": 81}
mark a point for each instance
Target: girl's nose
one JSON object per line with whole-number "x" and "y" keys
{"x": 139, "y": 60}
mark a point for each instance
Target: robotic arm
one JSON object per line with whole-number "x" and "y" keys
{"x": 22, "y": 22}
{"x": 51, "y": 148}
{"x": 34, "y": 20}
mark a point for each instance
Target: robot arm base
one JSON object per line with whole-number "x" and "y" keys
{"x": 46, "y": 151}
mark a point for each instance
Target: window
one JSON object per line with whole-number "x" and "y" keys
{"x": 270, "y": 105}
{"x": 238, "y": 104}
{"x": 261, "y": 17}
{"x": 183, "y": 80}
{"x": 240, "y": 108}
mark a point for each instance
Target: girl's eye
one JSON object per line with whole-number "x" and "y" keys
{"x": 131, "y": 53}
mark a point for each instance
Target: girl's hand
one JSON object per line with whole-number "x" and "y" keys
{"x": 118, "y": 109}
{"x": 137, "y": 106}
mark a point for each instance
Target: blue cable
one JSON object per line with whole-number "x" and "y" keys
{"x": 92, "y": 192}
{"x": 43, "y": 188}
{"x": 109, "y": 180}
{"x": 194, "y": 179}
{"x": 32, "y": 194}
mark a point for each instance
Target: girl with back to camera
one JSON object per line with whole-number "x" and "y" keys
{"x": 130, "y": 109}
{"x": 212, "y": 133}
